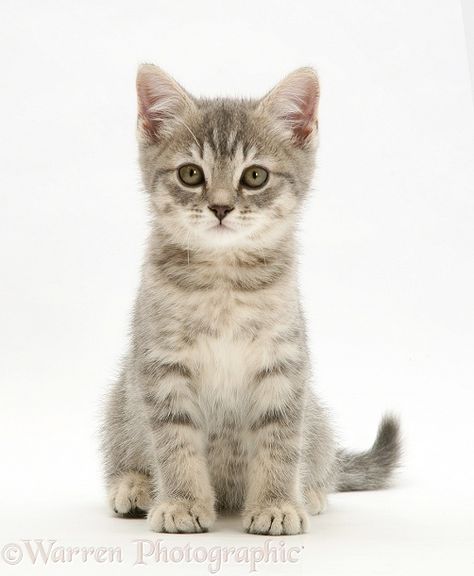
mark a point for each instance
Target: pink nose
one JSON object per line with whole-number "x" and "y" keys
{"x": 220, "y": 211}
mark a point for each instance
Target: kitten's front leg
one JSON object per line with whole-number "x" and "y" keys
{"x": 185, "y": 496}
{"x": 272, "y": 502}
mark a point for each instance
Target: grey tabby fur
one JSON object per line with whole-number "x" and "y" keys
{"x": 214, "y": 409}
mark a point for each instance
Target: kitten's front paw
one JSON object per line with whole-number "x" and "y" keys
{"x": 178, "y": 516}
{"x": 275, "y": 519}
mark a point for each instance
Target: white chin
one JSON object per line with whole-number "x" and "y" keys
{"x": 221, "y": 235}
{"x": 221, "y": 229}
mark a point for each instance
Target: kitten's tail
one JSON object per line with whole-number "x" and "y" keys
{"x": 372, "y": 470}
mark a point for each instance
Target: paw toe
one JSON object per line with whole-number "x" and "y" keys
{"x": 181, "y": 516}
{"x": 275, "y": 520}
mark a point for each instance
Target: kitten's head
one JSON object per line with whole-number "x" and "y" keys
{"x": 226, "y": 173}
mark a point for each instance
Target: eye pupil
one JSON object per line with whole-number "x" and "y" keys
{"x": 191, "y": 175}
{"x": 254, "y": 177}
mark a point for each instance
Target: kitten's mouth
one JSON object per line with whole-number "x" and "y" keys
{"x": 221, "y": 227}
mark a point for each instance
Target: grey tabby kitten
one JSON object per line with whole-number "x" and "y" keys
{"x": 214, "y": 409}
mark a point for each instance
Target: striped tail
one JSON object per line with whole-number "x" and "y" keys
{"x": 373, "y": 469}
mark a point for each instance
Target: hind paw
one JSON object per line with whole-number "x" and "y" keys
{"x": 315, "y": 500}
{"x": 131, "y": 494}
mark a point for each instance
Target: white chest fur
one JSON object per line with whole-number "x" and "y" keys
{"x": 224, "y": 370}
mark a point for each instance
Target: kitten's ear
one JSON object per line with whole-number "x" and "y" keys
{"x": 293, "y": 103}
{"x": 161, "y": 101}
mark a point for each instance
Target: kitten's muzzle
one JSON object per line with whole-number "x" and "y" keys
{"x": 220, "y": 210}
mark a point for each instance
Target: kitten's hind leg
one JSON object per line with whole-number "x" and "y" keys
{"x": 130, "y": 494}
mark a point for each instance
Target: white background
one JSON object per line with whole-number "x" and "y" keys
{"x": 468, "y": 16}
{"x": 387, "y": 253}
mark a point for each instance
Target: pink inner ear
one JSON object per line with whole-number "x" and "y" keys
{"x": 303, "y": 118}
{"x": 145, "y": 99}
{"x": 160, "y": 99}
{"x": 147, "y": 121}
{"x": 294, "y": 103}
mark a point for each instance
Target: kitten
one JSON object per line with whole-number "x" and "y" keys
{"x": 214, "y": 409}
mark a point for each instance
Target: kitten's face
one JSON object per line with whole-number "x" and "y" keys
{"x": 226, "y": 173}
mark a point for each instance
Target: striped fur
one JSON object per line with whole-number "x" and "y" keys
{"x": 213, "y": 409}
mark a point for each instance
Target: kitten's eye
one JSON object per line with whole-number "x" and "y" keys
{"x": 191, "y": 175}
{"x": 254, "y": 177}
